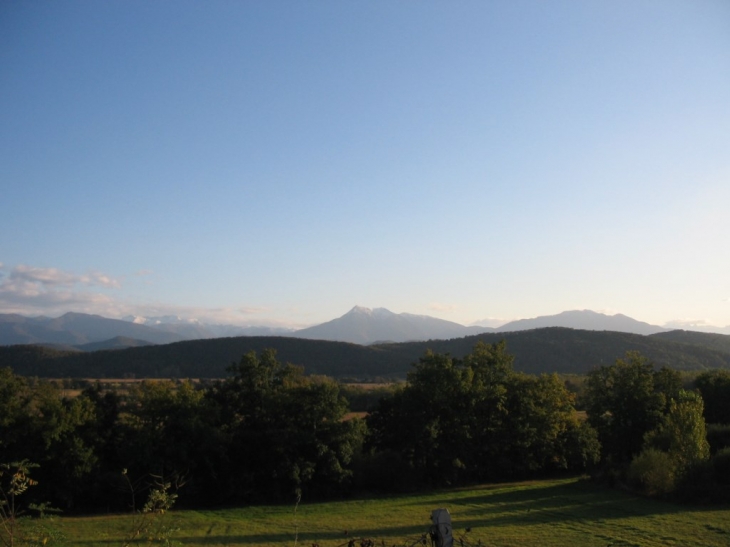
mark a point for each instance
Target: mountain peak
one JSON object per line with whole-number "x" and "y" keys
{"x": 363, "y": 325}
{"x": 377, "y": 312}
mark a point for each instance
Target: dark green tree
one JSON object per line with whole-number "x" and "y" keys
{"x": 478, "y": 419}
{"x": 714, "y": 386}
{"x": 625, "y": 401}
{"x": 286, "y": 431}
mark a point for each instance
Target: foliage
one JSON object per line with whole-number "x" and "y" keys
{"x": 147, "y": 522}
{"x": 286, "y": 431}
{"x": 363, "y": 399}
{"x": 714, "y": 386}
{"x": 16, "y": 528}
{"x": 718, "y": 437}
{"x": 653, "y": 471}
{"x": 460, "y": 421}
{"x": 625, "y": 401}
{"x": 683, "y": 433}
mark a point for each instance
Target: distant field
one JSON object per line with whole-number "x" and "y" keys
{"x": 559, "y": 513}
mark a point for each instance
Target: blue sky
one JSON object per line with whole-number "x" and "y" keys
{"x": 280, "y": 162}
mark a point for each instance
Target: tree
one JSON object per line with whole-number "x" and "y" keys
{"x": 682, "y": 433}
{"x": 478, "y": 419}
{"x": 170, "y": 429}
{"x": 714, "y": 386}
{"x": 623, "y": 405}
{"x": 286, "y": 432}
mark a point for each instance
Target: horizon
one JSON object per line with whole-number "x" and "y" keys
{"x": 489, "y": 323}
{"x": 273, "y": 163}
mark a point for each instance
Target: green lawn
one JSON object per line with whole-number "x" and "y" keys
{"x": 560, "y": 513}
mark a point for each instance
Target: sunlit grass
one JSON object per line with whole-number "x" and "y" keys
{"x": 560, "y": 513}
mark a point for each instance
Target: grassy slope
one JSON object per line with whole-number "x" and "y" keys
{"x": 560, "y": 513}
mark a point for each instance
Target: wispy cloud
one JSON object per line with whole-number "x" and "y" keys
{"x": 686, "y": 323}
{"x": 701, "y": 325}
{"x": 55, "y": 277}
{"x": 443, "y": 308}
{"x": 27, "y": 289}
{"x": 490, "y": 322}
{"x": 30, "y": 290}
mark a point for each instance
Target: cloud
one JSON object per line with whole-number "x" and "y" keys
{"x": 251, "y": 310}
{"x": 490, "y": 322}
{"x": 51, "y": 277}
{"x": 437, "y": 306}
{"x": 28, "y": 289}
{"x": 686, "y": 323}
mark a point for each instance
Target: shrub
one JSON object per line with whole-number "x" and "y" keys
{"x": 718, "y": 435}
{"x": 653, "y": 471}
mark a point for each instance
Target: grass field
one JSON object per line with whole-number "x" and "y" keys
{"x": 560, "y": 513}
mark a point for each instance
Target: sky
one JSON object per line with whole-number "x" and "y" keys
{"x": 277, "y": 163}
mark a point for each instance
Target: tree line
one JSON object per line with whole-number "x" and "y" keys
{"x": 270, "y": 433}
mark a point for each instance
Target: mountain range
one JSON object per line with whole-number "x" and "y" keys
{"x": 364, "y": 326}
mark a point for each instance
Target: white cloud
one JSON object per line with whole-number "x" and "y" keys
{"x": 490, "y": 322}
{"x": 686, "y": 323}
{"x": 29, "y": 290}
{"x": 55, "y": 277}
{"x": 439, "y": 307}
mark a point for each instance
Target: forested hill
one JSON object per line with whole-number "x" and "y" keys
{"x": 541, "y": 350}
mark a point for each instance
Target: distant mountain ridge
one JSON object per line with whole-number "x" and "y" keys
{"x": 360, "y": 325}
{"x": 366, "y": 326}
{"x": 585, "y": 320}
{"x": 192, "y": 329}
{"x": 74, "y": 329}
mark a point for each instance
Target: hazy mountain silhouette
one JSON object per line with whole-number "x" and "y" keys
{"x": 118, "y": 342}
{"x": 585, "y": 320}
{"x": 192, "y": 329}
{"x": 75, "y": 329}
{"x": 360, "y": 326}
{"x": 367, "y": 326}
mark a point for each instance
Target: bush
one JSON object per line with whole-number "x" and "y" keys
{"x": 385, "y": 471}
{"x": 721, "y": 468}
{"x": 718, "y": 435}
{"x": 707, "y": 481}
{"x": 653, "y": 471}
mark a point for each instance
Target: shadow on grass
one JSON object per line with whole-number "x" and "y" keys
{"x": 575, "y": 503}
{"x": 553, "y": 503}
{"x": 403, "y": 533}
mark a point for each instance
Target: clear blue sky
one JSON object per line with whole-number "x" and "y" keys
{"x": 279, "y": 162}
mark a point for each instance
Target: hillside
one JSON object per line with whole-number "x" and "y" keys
{"x": 719, "y": 342}
{"x": 536, "y": 351}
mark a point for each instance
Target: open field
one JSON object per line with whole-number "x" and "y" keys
{"x": 560, "y": 513}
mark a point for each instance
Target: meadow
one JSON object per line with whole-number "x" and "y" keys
{"x": 560, "y": 513}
